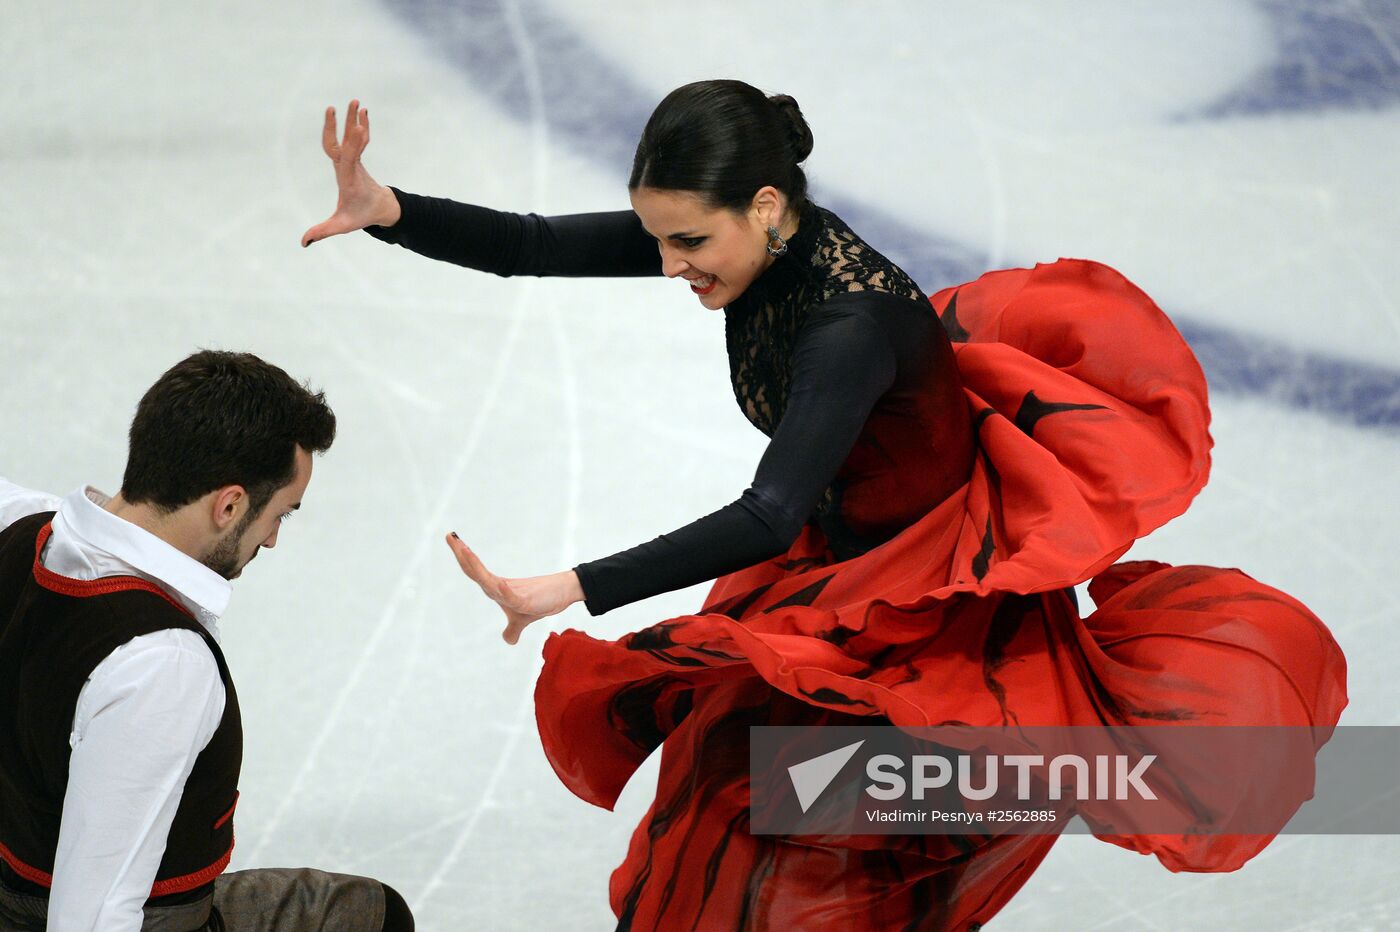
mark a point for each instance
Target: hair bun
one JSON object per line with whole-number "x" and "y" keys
{"x": 799, "y": 133}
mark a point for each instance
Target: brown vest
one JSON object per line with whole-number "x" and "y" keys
{"x": 54, "y": 631}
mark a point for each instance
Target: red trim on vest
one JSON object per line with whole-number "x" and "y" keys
{"x": 197, "y": 879}
{"x": 227, "y": 815}
{"x": 31, "y": 874}
{"x": 159, "y": 888}
{"x": 86, "y": 588}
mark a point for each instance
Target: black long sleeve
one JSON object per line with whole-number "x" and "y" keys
{"x": 611, "y": 244}
{"x": 842, "y": 363}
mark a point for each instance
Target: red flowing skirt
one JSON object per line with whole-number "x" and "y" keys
{"x": 1092, "y": 430}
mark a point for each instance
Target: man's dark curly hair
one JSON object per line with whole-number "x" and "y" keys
{"x": 217, "y": 419}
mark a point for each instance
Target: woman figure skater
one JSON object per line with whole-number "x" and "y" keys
{"x": 938, "y": 475}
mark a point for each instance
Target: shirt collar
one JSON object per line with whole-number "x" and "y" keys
{"x": 197, "y": 587}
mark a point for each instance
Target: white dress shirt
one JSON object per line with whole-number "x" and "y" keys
{"x": 142, "y": 718}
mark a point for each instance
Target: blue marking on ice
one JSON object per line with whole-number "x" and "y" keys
{"x": 1331, "y": 54}
{"x": 1325, "y": 60}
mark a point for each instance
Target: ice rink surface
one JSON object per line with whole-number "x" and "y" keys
{"x": 158, "y": 162}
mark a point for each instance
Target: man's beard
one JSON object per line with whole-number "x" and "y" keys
{"x": 223, "y": 559}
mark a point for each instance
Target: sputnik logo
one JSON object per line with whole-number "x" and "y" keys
{"x": 811, "y": 777}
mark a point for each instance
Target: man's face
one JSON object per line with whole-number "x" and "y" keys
{"x": 240, "y": 544}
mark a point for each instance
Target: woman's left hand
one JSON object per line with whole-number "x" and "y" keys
{"x": 523, "y": 600}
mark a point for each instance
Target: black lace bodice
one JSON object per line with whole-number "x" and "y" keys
{"x": 824, "y": 258}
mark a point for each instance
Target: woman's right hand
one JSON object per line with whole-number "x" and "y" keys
{"x": 524, "y": 601}
{"x": 361, "y": 201}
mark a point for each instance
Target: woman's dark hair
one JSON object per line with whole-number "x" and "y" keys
{"x": 216, "y": 419}
{"x": 723, "y": 140}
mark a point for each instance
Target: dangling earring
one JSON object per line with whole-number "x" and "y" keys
{"x": 773, "y": 237}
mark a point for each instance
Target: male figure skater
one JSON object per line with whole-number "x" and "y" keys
{"x": 120, "y": 738}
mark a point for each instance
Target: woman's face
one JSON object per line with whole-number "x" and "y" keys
{"x": 719, "y": 252}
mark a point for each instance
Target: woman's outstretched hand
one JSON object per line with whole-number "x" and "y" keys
{"x": 361, "y": 201}
{"x": 523, "y": 600}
